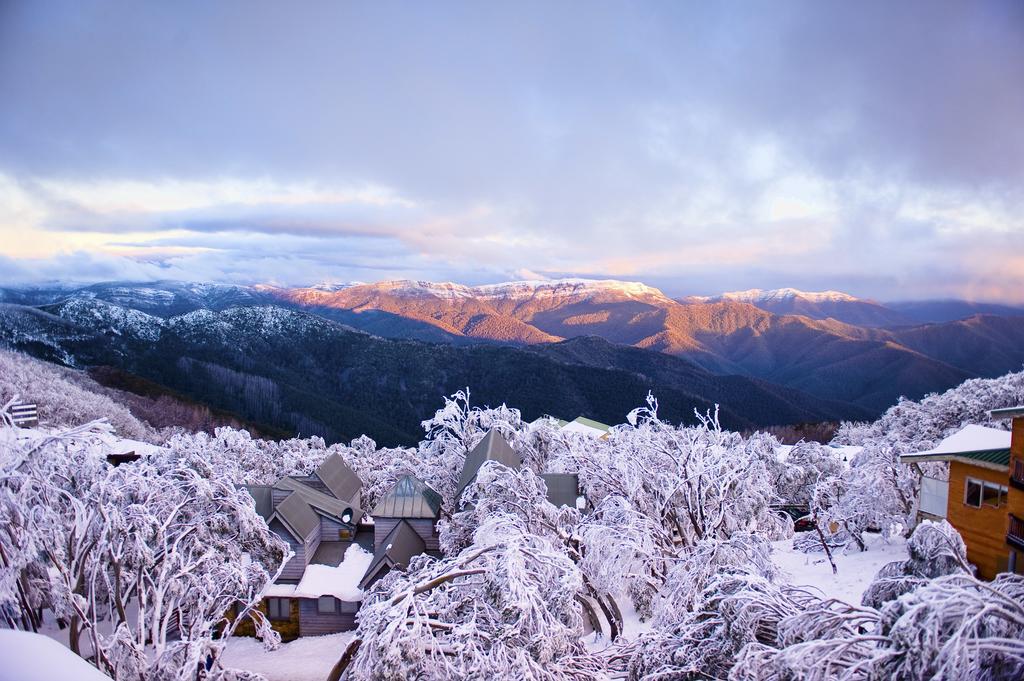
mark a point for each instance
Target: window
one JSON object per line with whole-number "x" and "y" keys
{"x": 972, "y": 496}
{"x": 325, "y": 605}
{"x": 279, "y": 608}
{"x": 978, "y": 493}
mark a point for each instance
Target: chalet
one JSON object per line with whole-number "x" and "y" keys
{"x": 318, "y": 516}
{"x": 983, "y": 497}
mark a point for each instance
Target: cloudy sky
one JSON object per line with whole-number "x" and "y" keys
{"x": 872, "y": 147}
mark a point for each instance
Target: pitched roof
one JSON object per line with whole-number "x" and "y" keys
{"x": 339, "y": 478}
{"x": 396, "y": 550}
{"x": 582, "y": 420}
{"x": 563, "y": 488}
{"x": 974, "y": 445}
{"x": 492, "y": 448}
{"x": 319, "y": 501}
{"x": 587, "y": 427}
{"x": 297, "y": 515}
{"x": 409, "y": 497}
{"x": 264, "y": 498}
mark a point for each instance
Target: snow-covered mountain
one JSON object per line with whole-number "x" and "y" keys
{"x": 830, "y": 344}
{"x": 836, "y": 305}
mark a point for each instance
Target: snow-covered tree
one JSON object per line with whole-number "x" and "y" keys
{"x": 504, "y": 607}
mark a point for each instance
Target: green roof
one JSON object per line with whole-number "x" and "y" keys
{"x": 987, "y": 458}
{"x": 584, "y": 421}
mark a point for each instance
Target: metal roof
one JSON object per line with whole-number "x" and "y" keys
{"x": 563, "y": 488}
{"x": 297, "y": 515}
{"x": 396, "y": 550}
{"x": 264, "y": 499}
{"x": 409, "y": 497}
{"x": 339, "y": 478}
{"x": 584, "y": 421}
{"x": 1007, "y": 413}
{"x": 319, "y": 501}
{"x": 492, "y": 448}
{"x": 996, "y": 459}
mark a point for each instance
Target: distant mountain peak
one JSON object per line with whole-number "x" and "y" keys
{"x": 756, "y": 295}
{"x": 518, "y": 289}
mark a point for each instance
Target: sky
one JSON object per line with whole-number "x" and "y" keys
{"x": 872, "y": 147}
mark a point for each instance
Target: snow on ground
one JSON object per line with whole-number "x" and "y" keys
{"x": 342, "y": 581}
{"x": 118, "y": 445}
{"x": 305, "y": 659}
{"x": 33, "y": 657}
{"x": 856, "y": 569}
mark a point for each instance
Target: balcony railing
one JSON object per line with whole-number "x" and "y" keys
{"x": 1017, "y": 473}
{"x": 1015, "y": 536}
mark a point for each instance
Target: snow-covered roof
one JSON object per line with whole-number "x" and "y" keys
{"x": 341, "y": 581}
{"x": 33, "y": 657}
{"x": 587, "y": 426}
{"x": 972, "y": 438}
{"x": 973, "y": 444}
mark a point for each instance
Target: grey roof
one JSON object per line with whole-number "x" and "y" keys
{"x": 297, "y": 515}
{"x": 395, "y": 551}
{"x": 339, "y": 478}
{"x": 409, "y": 497}
{"x": 1007, "y": 413}
{"x": 563, "y": 488}
{"x": 324, "y": 503}
{"x": 492, "y": 448}
{"x": 264, "y": 499}
{"x": 330, "y": 553}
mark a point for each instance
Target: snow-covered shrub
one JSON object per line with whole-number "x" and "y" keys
{"x": 141, "y": 563}
{"x": 936, "y": 549}
{"x": 62, "y": 400}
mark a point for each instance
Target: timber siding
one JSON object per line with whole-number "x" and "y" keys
{"x": 330, "y": 530}
{"x": 425, "y": 527}
{"x": 983, "y": 529}
{"x": 312, "y": 623}
{"x": 294, "y": 568}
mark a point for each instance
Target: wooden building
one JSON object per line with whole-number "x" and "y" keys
{"x": 985, "y": 492}
{"x": 318, "y": 516}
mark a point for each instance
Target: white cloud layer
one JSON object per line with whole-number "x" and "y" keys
{"x": 871, "y": 147}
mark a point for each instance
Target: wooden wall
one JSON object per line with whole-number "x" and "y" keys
{"x": 425, "y": 527}
{"x": 983, "y": 529}
{"x": 313, "y": 623}
{"x": 288, "y": 629}
{"x": 329, "y": 530}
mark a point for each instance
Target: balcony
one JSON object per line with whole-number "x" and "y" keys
{"x": 1015, "y": 536}
{"x": 1017, "y": 473}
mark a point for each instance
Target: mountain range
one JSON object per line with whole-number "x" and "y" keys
{"x": 343, "y": 359}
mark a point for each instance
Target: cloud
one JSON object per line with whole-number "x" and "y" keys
{"x": 704, "y": 147}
